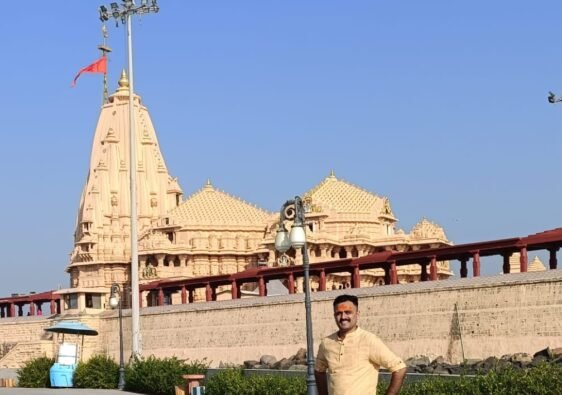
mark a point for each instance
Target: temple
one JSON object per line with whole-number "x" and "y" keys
{"x": 212, "y": 232}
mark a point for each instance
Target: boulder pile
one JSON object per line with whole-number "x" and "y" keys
{"x": 423, "y": 364}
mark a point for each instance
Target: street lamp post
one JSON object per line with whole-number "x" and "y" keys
{"x": 294, "y": 210}
{"x": 115, "y": 301}
{"x": 123, "y": 13}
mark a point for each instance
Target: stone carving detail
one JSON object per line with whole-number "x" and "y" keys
{"x": 149, "y": 272}
{"x": 154, "y": 239}
{"x": 386, "y": 210}
{"x": 428, "y": 229}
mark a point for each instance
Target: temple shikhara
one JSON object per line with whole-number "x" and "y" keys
{"x": 212, "y": 232}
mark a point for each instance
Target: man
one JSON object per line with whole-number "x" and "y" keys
{"x": 353, "y": 356}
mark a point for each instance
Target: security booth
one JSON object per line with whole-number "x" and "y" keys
{"x": 69, "y": 352}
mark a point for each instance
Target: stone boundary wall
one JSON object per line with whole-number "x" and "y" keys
{"x": 497, "y": 315}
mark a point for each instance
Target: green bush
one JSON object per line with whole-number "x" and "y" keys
{"x": 160, "y": 376}
{"x": 233, "y": 382}
{"x": 99, "y": 371}
{"x": 35, "y": 373}
{"x": 544, "y": 379}
{"x": 226, "y": 382}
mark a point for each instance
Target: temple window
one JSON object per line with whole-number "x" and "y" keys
{"x": 93, "y": 301}
{"x": 71, "y": 301}
{"x": 171, "y": 237}
{"x": 342, "y": 253}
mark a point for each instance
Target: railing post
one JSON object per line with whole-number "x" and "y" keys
{"x": 506, "y": 266}
{"x": 476, "y": 264}
{"x": 523, "y": 260}
{"x": 552, "y": 259}
{"x": 433, "y": 268}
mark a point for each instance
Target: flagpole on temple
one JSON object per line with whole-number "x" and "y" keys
{"x": 104, "y": 51}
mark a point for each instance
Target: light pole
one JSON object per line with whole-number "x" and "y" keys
{"x": 115, "y": 301}
{"x": 294, "y": 210}
{"x": 123, "y": 13}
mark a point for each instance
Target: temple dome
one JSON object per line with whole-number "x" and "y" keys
{"x": 212, "y": 206}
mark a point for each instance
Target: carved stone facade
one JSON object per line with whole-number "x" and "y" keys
{"x": 212, "y": 232}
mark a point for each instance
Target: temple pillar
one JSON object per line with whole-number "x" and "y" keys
{"x": 553, "y": 263}
{"x": 322, "y": 281}
{"x": 356, "y": 278}
{"x": 291, "y": 283}
{"x": 387, "y": 275}
{"x": 208, "y": 293}
{"x": 183, "y": 259}
{"x": 423, "y": 275}
{"x": 298, "y": 256}
{"x": 393, "y": 273}
{"x": 160, "y": 297}
{"x": 52, "y": 307}
{"x": 183, "y": 295}
{"x": 160, "y": 259}
{"x": 261, "y": 286}
{"x": 523, "y": 259}
{"x": 32, "y": 308}
{"x": 506, "y": 267}
{"x": 464, "y": 269}
{"x": 190, "y": 297}
{"x": 234, "y": 289}
{"x": 12, "y": 310}
{"x": 476, "y": 264}
{"x": 433, "y": 268}
{"x": 142, "y": 261}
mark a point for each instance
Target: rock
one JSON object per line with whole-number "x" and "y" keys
{"x": 420, "y": 361}
{"x": 522, "y": 358}
{"x": 251, "y": 364}
{"x": 438, "y": 361}
{"x": 487, "y": 364}
{"x": 471, "y": 362}
{"x": 538, "y": 360}
{"x": 297, "y": 367}
{"x": 283, "y": 364}
{"x": 440, "y": 369}
{"x": 413, "y": 369}
{"x": 267, "y": 360}
{"x": 547, "y": 353}
{"x": 557, "y": 352}
{"x": 301, "y": 354}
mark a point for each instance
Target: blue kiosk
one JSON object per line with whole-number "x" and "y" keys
{"x": 62, "y": 371}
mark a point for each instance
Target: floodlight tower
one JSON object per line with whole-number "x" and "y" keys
{"x": 123, "y": 13}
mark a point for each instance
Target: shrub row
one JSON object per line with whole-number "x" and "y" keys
{"x": 233, "y": 382}
{"x": 147, "y": 376}
{"x": 160, "y": 376}
{"x": 544, "y": 379}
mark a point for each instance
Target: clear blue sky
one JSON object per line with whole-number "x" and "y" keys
{"x": 439, "y": 105}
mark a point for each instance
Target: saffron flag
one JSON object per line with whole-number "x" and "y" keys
{"x": 99, "y": 66}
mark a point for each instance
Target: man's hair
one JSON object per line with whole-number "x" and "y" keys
{"x": 346, "y": 298}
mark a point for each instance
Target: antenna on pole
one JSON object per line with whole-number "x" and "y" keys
{"x": 104, "y": 51}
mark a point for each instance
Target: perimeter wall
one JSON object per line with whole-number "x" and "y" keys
{"x": 491, "y": 315}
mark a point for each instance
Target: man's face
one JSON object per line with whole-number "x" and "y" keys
{"x": 346, "y": 316}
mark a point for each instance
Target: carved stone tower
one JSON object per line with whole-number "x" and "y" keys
{"x": 101, "y": 253}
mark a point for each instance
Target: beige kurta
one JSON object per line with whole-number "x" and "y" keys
{"x": 354, "y": 362}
